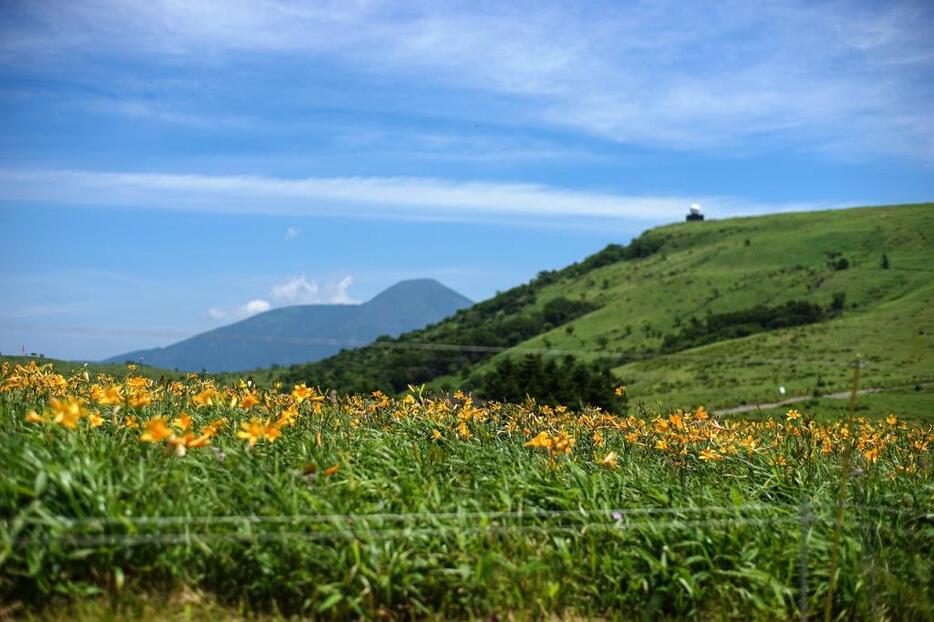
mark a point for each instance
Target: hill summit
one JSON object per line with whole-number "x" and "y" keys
{"x": 715, "y": 312}
{"x": 304, "y": 333}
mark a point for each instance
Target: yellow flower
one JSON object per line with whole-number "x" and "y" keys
{"x": 619, "y": 391}
{"x": 872, "y": 455}
{"x": 34, "y": 417}
{"x": 891, "y": 420}
{"x": 661, "y": 444}
{"x": 793, "y": 415}
{"x": 156, "y": 430}
{"x": 205, "y": 398}
{"x": 131, "y": 422}
{"x": 253, "y": 431}
{"x": 288, "y": 416}
{"x": 463, "y": 430}
{"x": 436, "y": 435}
{"x": 140, "y": 398}
{"x": 248, "y": 400}
{"x": 542, "y": 440}
{"x": 212, "y": 428}
{"x": 189, "y": 440}
{"x": 300, "y": 392}
{"x": 331, "y": 470}
{"x": 95, "y": 420}
{"x": 67, "y": 413}
{"x": 107, "y": 396}
{"x": 137, "y": 382}
{"x": 598, "y": 439}
{"x": 272, "y": 433}
{"x": 610, "y": 461}
{"x": 564, "y": 443}
{"x": 182, "y": 422}
{"x": 710, "y": 455}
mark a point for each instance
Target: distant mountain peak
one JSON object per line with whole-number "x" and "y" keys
{"x": 305, "y": 333}
{"x": 423, "y": 288}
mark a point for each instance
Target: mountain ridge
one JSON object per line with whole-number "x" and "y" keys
{"x": 302, "y": 333}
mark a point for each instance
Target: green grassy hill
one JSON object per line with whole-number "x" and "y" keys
{"x": 667, "y": 313}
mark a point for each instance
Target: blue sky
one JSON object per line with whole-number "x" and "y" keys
{"x": 167, "y": 167}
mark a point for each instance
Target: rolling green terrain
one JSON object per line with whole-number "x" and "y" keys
{"x": 702, "y": 312}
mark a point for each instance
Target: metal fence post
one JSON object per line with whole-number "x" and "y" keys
{"x": 803, "y": 560}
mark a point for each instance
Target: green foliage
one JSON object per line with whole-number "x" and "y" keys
{"x": 549, "y": 381}
{"x": 838, "y": 303}
{"x": 69, "y": 499}
{"x": 737, "y": 324}
{"x": 557, "y": 311}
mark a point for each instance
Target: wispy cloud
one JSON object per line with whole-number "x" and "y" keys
{"x": 45, "y": 310}
{"x": 382, "y": 197}
{"x": 162, "y": 112}
{"x": 855, "y": 75}
{"x": 291, "y": 233}
{"x": 252, "y": 307}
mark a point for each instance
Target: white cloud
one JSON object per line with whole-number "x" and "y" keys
{"x": 301, "y": 290}
{"x": 291, "y": 233}
{"x": 386, "y": 197}
{"x": 297, "y": 290}
{"x": 293, "y": 291}
{"x": 252, "y": 307}
{"x": 257, "y": 306}
{"x": 340, "y": 295}
{"x": 665, "y": 73}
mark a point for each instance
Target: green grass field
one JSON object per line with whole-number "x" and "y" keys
{"x": 878, "y": 258}
{"x": 439, "y": 508}
{"x": 889, "y": 321}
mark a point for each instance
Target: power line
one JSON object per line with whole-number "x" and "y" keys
{"x": 626, "y": 355}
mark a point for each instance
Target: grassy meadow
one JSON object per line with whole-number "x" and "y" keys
{"x": 119, "y": 493}
{"x": 720, "y": 266}
{"x": 866, "y": 272}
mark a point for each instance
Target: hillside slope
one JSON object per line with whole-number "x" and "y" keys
{"x": 678, "y": 313}
{"x": 304, "y": 333}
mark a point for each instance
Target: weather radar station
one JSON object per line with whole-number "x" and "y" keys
{"x": 694, "y": 213}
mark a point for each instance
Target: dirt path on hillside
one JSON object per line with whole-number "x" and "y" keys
{"x": 745, "y": 408}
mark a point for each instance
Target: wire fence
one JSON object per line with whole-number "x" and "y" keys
{"x": 367, "y": 531}
{"x": 86, "y": 532}
{"x": 614, "y": 513}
